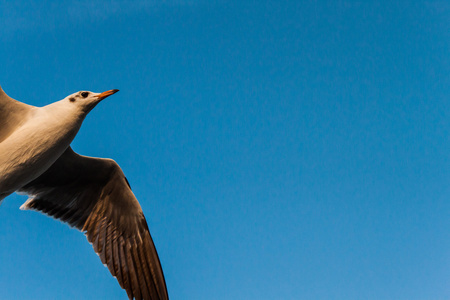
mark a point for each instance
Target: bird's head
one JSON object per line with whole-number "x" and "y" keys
{"x": 88, "y": 100}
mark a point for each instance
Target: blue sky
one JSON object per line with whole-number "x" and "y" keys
{"x": 279, "y": 149}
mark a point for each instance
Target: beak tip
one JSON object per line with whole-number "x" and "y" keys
{"x": 107, "y": 94}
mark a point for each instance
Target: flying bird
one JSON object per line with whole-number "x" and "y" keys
{"x": 90, "y": 194}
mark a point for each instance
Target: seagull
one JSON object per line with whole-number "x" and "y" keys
{"x": 89, "y": 194}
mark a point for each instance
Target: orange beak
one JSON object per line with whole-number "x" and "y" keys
{"x": 106, "y": 94}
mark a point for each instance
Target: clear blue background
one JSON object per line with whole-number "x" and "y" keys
{"x": 279, "y": 149}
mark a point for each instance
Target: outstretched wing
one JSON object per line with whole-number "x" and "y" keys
{"x": 12, "y": 114}
{"x": 93, "y": 195}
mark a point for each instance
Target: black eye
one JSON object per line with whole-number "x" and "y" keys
{"x": 84, "y": 94}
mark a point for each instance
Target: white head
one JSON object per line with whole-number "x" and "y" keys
{"x": 86, "y": 101}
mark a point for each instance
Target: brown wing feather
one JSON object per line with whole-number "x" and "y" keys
{"x": 93, "y": 195}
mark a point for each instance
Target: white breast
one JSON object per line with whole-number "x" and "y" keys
{"x": 36, "y": 145}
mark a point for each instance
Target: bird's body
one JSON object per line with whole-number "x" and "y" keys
{"x": 36, "y": 144}
{"x": 90, "y": 194}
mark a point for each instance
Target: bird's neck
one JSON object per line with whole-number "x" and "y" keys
{"x": 63, "y": 117}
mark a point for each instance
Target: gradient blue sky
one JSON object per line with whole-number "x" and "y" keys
{"x": 279, "y": 149}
